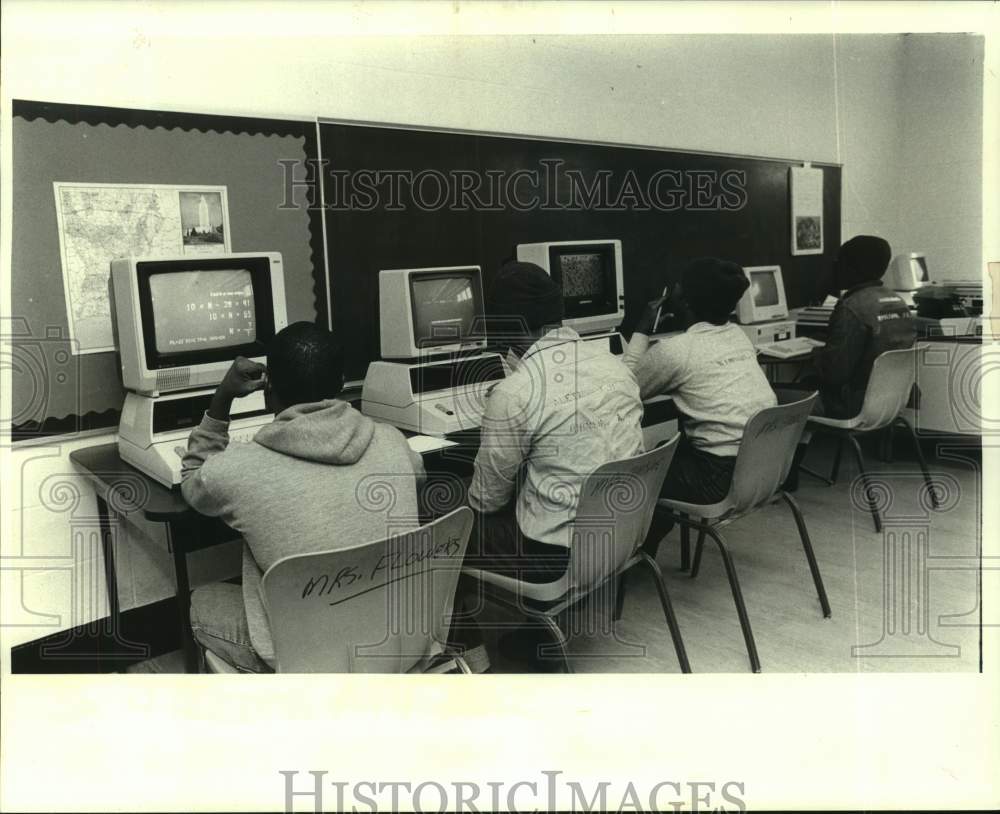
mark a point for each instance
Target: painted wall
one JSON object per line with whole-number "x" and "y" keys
{"x": 941, "y": 153}
{"x": 869, "y": 80}
{"x": 764, "y": 95}
{"x": 910, "y": 109}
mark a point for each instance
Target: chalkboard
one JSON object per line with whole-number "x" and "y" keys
{"x": 56, "y": 392}
{"x": 742, "y": 215}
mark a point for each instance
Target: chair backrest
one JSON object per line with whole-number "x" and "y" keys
{"x": 614, "y": 514}
{"x": 379, "y": 607}
{"x": 766, "y": 452}
{"x": 889, "y": 386}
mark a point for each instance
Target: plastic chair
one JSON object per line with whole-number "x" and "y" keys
{"x": 613, "y": 517}
{"x": 889, "y": 387}
{"x": 762, "y": 464}
{"x": 380, "y": 607}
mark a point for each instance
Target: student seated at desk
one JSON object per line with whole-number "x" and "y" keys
{"x": 292, "y": 489}
{"x": 711, "y": 371}
{"x": 567, "y": 408}
{"x": 868, "y": 320}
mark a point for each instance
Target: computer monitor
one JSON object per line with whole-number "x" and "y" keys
{"x": 907, "y": 272}
{"x": 765, "y": 298}
{"x": 590, "y": 275}
{"x": 180, "y": 321}
{"x": 430, "y": 311}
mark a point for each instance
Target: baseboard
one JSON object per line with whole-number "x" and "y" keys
{"x": 145, "y": 632}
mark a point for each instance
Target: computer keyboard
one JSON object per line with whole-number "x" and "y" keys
{"x": 787, "y": 348}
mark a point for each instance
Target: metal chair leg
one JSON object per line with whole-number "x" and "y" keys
{"x": 668, "y": 612}
{"x": 813, "y": 473}
{"x": 650, "y": 545}
{"x": 619, "y": 598}
{"x": 699, "y": 546}
{"x": 559, "y": 641}
{"x": 807, "y": 545}
{"x": 922, "y": 460}
{"x": 741, "y": 608}
{"x": 685, "y": 543}
{"x": 872, "y": 505}
{"x": 837, "y": 455}
{"x": 888, "y": 443}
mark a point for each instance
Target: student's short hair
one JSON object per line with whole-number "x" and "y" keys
{"x": 525, "y": 292}
{"x": 712, "y": 287}
{"x": 862, "y": 259}
{"x": 305, "y": 364}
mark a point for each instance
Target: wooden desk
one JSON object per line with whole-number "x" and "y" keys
{"x": 125, "y": 492}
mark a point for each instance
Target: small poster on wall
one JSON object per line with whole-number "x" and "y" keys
{"x": 807, "y": 209}
{"x": 203, "y": 222}
{"x": 100, "y": 222}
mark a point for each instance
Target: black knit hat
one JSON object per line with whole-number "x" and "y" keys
{"x": 712, "y": 287}
{"x": 525, "y": 290}
{"x": 861, "y": 259}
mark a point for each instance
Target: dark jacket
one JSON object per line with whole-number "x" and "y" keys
{"x": 869, "y": 320}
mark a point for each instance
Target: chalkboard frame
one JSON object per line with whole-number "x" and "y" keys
{"x": 353, "y": 293}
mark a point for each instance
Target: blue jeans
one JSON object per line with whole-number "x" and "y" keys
{"x": 219, "y": 624}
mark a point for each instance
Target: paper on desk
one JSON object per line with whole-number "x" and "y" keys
{"x": 428, "y": 443}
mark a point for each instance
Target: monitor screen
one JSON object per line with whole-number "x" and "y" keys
{"x": 196, "y": 311}
{"x": 919, "y": 267}
{"x": 587, "y": 276}
{"x": 582, "y": 275}
{"x": 445, "y": 307}
{"x": 764, "y": 288}
{"x": 202, "y": 310}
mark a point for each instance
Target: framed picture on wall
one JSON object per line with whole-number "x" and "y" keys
{"x": 806, "y": 189}
{"x": 204, "y": 221}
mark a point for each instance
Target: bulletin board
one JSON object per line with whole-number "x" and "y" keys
{"x": 655, "y": 243}
{"x": 56, "y": 391}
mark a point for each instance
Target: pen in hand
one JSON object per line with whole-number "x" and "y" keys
{"x": 659, "y": 310}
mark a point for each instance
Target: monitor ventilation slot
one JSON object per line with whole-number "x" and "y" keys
{"x": 176, "y": 379}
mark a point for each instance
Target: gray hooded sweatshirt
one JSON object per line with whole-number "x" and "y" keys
{"x": 308, "y": 482}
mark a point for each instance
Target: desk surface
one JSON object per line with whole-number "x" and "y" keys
{"x": 126, "y": 489}
{"x": 767, "y": 359}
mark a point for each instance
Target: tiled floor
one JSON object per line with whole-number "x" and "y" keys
{"x": 927, "y": 622}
